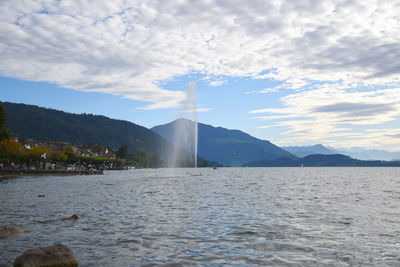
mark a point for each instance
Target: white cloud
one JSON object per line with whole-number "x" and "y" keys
{"x": 263, "y": 91}
{"x": 218, "y": 83}
{"x": 125, "y": 47}
{"x": 333, "y": 113}
{"x": 264, "y": 127}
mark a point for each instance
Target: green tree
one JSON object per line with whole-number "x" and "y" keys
{"x": 143, "y": 158}
{"x": 62, "y": 157}
{"x": 69, "y": 152}
{"x": 4, "y": 132}
{"x": 140, "y": 159}
{"x": 156, "y": 161}
{"x": 36, "y": 153}
{"x": 53, "y": 156}
{"x": 122, "y": 152}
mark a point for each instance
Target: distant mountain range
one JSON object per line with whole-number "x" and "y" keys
{"x": 228, "y": 147}
{"x": 368, "y": 154}
{"x": 355, "y": 152}
{"x": 318, "y": 160}
{"x": 302, "y": 151}
{"x": 216, "y": 144}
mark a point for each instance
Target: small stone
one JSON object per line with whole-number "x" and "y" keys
{"x": 6, "y": 231}
{"x": 74, "y": 217}
{"x": 51, "y": 256}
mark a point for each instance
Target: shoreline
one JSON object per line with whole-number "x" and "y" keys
{"x": 50, "y": 172}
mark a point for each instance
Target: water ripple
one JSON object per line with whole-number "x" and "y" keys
{"x": 233, "y": 216}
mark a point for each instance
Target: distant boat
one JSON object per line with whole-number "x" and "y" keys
{"x": 302, "y": 165}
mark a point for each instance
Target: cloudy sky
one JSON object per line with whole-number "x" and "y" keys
{"x": 292, "y": 72}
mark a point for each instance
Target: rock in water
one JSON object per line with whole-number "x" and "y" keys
{"x": 73, "y": 218}
{"x": 51, "y": 256}
{"x": 6, "y": 231}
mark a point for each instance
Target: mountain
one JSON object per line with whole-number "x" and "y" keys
{"x": 368, "y": 154}
{"x": 302, "y": 151}
{"x": 354, "y": 152}
{"x": 44, "y": 124}
{"x": 318, "y": 160}
{"x": 228, "y": 147}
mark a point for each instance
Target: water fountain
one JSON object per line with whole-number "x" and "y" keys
{"x": 185, "y": 132}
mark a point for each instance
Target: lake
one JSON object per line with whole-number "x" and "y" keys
{"x": 228, "y": 216}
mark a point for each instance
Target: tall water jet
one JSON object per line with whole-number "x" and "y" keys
{"x": 191, "y": 99}
{"x": 185, "y": 132}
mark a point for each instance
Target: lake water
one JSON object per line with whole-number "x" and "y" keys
{"x": 229, "y": 216}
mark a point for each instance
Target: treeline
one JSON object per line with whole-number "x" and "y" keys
{"x": 43, "y": 124}
{"x": 320, "y": 160}
{"x": 139, "y": 159}
{"x": 150, "y": 150}
{"x": 142, "y": 159}
{"x": 15, "y": 155}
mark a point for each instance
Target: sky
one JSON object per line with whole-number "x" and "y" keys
{"x": 288, "y": 71}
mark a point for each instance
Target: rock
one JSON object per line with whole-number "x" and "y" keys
{"x": 6, "y": 231}
{"x": 52, "y": 256}
{"x": 73, "y": 218}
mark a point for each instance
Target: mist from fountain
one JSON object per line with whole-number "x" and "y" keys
{"x": 186, "y": 132}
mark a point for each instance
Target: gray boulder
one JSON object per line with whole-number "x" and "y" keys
{"x": 52, "y": 256}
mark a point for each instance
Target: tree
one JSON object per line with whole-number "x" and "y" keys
{"x": 69, "y": 152}
{"x": 36, "y": 155}
{"x": 4, "y": 132}
{"x": 156, "y": 161}
{"x": 10, "y": 150}
{"x": 122, "y": 152}
{"x": 62, "y": 157}
{"x": 140, "y": 159}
